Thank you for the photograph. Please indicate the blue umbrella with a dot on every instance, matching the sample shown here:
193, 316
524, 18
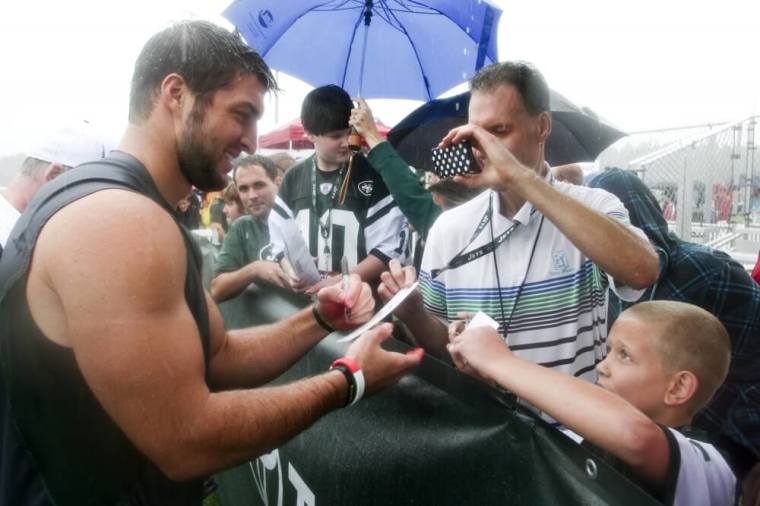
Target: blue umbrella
372, 48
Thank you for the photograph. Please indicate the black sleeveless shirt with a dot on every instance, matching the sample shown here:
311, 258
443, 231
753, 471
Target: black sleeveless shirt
59, 446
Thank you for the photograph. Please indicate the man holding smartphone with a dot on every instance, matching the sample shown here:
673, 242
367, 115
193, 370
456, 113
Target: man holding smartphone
535, 254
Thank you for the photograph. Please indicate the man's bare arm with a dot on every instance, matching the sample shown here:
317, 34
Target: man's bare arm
137, 344
276, 347
628, 258
622, 254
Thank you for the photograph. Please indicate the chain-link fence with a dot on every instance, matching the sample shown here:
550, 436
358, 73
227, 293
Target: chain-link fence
707, 183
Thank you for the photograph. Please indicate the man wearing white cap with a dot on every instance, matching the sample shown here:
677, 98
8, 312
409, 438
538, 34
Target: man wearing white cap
64, 149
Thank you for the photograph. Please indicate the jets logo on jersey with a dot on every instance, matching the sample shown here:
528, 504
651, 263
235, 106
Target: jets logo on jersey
267, 253
325, 188
365, 187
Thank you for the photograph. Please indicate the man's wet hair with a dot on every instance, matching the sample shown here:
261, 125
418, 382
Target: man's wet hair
326, 109
526, 78
207, 56
262, 161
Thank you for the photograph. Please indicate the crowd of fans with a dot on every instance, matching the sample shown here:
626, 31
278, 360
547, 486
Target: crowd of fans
594, 302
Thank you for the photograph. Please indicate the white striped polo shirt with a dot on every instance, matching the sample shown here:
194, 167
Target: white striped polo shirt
560, 319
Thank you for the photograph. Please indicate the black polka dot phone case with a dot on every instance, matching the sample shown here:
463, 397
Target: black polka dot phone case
455, 160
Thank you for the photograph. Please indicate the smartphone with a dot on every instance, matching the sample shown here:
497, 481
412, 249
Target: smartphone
455, 160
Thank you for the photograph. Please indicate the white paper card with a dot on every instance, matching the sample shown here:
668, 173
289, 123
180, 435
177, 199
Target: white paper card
298, 253
482, 320
384, 311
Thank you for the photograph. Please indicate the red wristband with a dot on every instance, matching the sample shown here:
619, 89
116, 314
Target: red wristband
354, 376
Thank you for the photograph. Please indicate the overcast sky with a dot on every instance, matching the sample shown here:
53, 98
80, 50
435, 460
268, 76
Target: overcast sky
642, 64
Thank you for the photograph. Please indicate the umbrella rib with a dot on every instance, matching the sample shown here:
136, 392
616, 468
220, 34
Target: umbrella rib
416, 55
387, 14
447, 17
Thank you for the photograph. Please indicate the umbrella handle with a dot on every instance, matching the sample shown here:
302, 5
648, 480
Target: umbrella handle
355, 141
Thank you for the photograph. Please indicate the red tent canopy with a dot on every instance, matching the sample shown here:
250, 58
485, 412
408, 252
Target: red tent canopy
292, 136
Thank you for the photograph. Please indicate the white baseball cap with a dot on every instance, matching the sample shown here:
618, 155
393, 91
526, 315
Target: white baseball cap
70, 145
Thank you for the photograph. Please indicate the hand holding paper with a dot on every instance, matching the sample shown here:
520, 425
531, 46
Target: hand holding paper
384, 311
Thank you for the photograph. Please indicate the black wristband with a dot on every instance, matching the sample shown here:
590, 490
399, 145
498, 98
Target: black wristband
320, 321
350, 380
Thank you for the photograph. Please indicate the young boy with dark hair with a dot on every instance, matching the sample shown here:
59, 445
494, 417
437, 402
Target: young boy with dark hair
665, 361
339, 202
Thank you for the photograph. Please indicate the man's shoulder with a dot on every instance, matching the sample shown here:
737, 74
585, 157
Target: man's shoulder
248, 224
114, 231
242, 223
114, 207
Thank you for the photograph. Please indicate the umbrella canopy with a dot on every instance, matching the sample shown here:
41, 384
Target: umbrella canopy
292, 136
412, 49
578, 135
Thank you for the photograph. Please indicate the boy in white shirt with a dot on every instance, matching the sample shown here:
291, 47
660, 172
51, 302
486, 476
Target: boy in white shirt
665, 361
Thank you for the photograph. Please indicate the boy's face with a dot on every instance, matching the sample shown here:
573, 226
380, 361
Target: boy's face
632, 368
332, 147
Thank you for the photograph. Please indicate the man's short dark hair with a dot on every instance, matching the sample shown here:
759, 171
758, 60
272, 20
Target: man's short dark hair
526, 78
262, 161
207, 56
326, 109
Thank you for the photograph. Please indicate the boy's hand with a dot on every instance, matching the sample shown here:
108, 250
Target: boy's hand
457, 326
392, 281
474, 349
362, 120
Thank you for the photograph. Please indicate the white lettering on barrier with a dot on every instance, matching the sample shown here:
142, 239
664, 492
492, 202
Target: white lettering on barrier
304, 496
270, 464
